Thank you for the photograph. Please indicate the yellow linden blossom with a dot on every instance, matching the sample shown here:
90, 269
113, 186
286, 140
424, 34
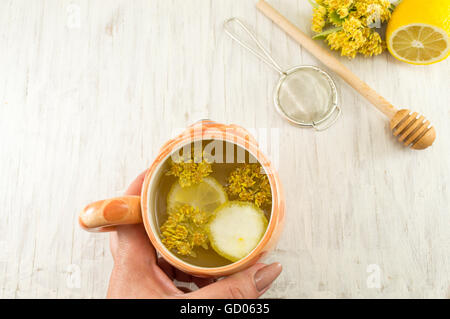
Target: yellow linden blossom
184, 230
190, 168
350, 25
247, 183
319, 18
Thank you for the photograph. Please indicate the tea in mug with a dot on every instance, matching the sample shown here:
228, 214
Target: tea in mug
213, 203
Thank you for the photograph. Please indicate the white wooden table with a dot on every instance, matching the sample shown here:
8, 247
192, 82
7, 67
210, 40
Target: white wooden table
89, 90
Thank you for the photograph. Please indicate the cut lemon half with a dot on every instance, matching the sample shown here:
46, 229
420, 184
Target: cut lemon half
236, 229
419, 31
206, 195
419, 44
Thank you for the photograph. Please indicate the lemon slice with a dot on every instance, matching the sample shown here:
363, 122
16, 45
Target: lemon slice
236, 229
206, 195
418, 31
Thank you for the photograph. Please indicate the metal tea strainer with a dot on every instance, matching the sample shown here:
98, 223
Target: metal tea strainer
305, 95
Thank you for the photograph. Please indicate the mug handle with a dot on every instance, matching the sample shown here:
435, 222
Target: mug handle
104, 215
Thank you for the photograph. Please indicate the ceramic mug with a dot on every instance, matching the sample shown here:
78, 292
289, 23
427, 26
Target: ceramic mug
104, 215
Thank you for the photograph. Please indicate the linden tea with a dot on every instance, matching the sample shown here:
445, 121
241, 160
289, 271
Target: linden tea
213, 203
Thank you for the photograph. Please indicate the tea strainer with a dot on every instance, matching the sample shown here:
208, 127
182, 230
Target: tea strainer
305, 95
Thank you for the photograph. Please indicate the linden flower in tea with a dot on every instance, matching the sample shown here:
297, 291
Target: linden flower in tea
185, 229
247, 183
190, 168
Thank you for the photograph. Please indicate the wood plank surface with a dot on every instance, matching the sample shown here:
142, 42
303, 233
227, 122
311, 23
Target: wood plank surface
89, 91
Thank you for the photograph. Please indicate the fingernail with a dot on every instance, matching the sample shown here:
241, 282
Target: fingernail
115, 210
265, 276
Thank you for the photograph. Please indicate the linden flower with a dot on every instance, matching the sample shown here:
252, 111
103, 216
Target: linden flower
319, 18
350, 25
200, 239
247, 183
190, 168
184, 230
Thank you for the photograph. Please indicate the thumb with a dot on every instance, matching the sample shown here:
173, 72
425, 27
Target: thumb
250, 283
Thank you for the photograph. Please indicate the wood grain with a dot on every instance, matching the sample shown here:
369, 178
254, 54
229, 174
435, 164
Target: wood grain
90, 90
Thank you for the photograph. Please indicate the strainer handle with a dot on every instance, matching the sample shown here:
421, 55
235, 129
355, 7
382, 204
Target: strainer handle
265, 57
329, 121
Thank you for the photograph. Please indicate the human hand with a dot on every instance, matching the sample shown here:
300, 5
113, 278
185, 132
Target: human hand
138, 273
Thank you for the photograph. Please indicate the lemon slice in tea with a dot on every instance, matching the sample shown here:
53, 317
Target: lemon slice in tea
236, 229
206, 195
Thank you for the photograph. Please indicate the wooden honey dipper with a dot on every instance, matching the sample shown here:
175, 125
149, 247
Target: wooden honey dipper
412, 130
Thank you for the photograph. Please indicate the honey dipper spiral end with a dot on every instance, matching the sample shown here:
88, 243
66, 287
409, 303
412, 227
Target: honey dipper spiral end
412, 129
